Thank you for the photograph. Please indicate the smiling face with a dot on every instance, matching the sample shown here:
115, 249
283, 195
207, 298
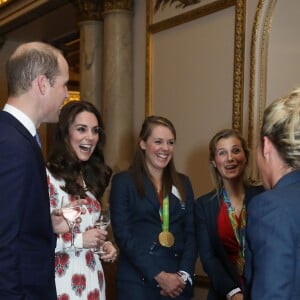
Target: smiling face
230, 159
84, 135
158, 148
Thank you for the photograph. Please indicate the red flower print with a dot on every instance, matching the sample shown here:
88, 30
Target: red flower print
66, 237
53, 202
63, 297
76, 229
101, 279
73, 198
92, 205
97, 206
61, 263
51, 189
90, 260
94, 295
52, 194
78, 283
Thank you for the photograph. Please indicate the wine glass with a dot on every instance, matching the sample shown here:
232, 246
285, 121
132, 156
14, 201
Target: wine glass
102, 223
70, 213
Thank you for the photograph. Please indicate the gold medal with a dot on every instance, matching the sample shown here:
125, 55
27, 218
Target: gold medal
166, 239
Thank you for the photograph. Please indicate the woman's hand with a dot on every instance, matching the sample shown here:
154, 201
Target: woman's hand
111, 252
238, 296
93, 238
171, 284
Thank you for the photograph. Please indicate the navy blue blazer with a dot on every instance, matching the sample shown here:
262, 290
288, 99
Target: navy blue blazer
213, 256
27, 240
273, 242
136, 225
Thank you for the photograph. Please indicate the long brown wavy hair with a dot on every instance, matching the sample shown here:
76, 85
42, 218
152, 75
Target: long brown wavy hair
63, 162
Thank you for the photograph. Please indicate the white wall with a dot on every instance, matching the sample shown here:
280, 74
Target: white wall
283, 69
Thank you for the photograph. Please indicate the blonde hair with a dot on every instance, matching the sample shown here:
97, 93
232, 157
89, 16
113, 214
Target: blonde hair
224, 134
281, 124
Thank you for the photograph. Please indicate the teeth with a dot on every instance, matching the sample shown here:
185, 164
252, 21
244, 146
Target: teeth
85, 147
230, 167
162, 155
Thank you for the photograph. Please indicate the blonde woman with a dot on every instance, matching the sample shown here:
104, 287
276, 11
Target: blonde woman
221, 216
273, 234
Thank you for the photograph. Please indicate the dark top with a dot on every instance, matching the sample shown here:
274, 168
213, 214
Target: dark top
215, 261
136, 225
272, 268
27, 240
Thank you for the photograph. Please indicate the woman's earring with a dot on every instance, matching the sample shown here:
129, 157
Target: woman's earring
213, 163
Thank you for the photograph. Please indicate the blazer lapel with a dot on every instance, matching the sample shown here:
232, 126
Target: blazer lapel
176, 205
150, 194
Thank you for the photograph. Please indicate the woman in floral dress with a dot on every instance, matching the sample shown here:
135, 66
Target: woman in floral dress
76, 169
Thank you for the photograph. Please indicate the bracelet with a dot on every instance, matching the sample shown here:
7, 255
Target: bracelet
107, 242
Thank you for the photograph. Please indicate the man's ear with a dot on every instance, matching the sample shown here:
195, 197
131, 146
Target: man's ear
42, 83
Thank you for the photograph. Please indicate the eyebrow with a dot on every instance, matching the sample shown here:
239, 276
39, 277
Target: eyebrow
233, 146
80, 125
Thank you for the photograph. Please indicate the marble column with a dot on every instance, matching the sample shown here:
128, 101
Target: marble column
118, 82
91, 44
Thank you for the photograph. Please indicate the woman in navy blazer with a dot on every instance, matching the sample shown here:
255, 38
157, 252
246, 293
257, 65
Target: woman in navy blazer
273, 233
156, 261
220, 216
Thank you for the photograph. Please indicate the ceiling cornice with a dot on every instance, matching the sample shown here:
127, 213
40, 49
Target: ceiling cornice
18, 13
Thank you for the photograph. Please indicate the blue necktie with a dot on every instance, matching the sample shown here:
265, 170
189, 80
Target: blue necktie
37, 138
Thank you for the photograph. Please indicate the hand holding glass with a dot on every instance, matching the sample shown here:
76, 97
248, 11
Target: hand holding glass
102, 223
70, 213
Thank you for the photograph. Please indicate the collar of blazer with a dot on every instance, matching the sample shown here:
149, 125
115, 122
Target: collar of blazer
175, 202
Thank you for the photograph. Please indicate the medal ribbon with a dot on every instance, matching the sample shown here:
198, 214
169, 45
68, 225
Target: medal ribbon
239, 229
164, 213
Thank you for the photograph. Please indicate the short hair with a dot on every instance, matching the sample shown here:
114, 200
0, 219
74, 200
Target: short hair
224, 134
281, 124
29, 61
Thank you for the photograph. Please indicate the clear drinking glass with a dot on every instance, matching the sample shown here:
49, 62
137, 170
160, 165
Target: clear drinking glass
70, 213
102, 223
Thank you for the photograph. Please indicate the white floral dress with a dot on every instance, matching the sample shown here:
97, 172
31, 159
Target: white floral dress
79, 274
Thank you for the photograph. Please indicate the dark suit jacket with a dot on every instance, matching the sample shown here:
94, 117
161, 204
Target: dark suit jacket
273, 242
213, 256
136, 225
27, 241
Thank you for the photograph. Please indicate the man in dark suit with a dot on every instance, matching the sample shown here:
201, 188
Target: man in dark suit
37, 75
